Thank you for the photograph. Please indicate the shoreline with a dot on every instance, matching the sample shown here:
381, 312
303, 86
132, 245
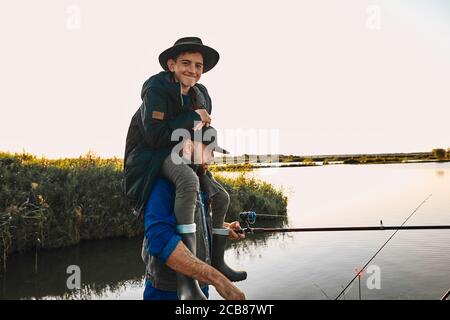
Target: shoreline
352, 161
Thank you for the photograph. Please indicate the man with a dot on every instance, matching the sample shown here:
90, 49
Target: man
171, 100
163, 249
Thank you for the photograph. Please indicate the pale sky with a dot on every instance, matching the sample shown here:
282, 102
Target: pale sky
331, 77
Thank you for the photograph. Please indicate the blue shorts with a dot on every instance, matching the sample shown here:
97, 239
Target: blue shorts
151, 293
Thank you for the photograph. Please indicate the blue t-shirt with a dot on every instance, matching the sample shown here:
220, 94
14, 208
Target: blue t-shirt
151, 293
159, 220
160, 231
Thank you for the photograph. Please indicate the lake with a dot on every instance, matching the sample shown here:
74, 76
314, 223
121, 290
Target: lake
413, 265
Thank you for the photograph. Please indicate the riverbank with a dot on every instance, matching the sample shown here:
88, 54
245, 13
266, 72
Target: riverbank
330, 196
250, 162
55, 203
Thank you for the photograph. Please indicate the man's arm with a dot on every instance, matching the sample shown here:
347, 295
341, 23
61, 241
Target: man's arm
182, 260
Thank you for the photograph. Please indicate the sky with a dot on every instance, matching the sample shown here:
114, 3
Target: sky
295, 77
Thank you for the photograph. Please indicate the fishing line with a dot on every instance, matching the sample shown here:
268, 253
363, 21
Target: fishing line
373, 257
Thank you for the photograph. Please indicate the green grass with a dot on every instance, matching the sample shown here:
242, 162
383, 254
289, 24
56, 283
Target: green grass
55, 203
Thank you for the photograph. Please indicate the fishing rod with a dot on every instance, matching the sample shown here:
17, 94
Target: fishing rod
384, 244
369, 228
446, 295
249, 217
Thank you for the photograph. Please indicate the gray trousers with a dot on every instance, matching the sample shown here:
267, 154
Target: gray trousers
187, 186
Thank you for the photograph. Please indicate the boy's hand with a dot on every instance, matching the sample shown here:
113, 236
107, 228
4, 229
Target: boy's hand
199, 126
204, 115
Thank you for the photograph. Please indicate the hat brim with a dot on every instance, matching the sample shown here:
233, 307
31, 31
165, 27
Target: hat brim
210, 56
220, 150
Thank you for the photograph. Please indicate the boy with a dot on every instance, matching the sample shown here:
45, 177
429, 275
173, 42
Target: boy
173, 99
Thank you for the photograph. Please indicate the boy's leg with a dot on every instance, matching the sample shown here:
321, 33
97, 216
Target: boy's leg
187, 188
220, 200
186, 193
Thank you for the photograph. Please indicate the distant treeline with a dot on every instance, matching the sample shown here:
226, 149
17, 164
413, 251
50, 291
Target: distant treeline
243, 162
54, 203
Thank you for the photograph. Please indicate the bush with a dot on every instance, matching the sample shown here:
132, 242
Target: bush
56, 203
351, 161
250, 194
440, 154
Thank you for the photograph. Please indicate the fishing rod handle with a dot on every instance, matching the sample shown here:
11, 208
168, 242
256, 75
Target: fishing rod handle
244, 230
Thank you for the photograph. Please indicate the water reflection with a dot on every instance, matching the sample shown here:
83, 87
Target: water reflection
106, 266
414, 265
256, 241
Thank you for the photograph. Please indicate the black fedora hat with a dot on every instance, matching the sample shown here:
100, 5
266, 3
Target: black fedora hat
210, 56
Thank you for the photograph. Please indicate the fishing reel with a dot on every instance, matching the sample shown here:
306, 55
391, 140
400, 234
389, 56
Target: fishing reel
249, 217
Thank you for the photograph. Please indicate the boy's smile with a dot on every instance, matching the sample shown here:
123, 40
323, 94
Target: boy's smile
187, 69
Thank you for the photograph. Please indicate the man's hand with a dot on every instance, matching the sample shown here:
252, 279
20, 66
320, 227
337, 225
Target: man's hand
233, 228
229, 291
182, 260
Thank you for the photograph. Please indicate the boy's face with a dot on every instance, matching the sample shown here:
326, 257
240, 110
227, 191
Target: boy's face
187, 68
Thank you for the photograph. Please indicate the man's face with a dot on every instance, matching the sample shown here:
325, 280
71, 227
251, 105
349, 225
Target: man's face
187, 68
202, 154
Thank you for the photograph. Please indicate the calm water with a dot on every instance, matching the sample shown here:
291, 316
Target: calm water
414, 265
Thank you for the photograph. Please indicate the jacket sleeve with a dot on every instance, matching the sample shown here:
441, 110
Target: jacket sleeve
155, 126
204, 92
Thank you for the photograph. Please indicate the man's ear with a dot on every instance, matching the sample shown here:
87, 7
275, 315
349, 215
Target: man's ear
171, 65
188, 147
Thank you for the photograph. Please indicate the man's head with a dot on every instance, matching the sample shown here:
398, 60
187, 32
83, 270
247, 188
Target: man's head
187, 68
200, 146
197, 152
